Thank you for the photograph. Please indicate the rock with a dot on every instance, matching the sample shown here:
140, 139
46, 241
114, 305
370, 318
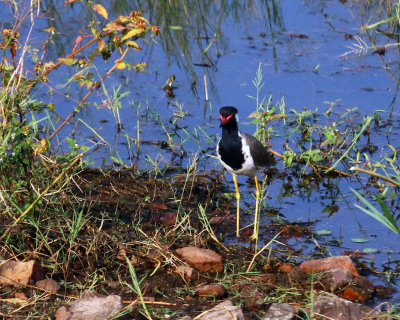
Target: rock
359, 290
149, 299
91, 306
211, 290
20, 295
188, 273
267, 278
384, 292
204, 260
223, 311
255, 300
62, 313
332, 307
49, 285
281, 311
297, 275
365, 284
354, 293
336, 278
216, 220
285, 267
168, 219
19, 273
319, 265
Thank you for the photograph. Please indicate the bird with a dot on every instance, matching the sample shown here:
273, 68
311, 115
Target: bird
241, 154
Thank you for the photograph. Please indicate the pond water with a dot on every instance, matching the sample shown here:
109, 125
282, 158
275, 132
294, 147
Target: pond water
299, 45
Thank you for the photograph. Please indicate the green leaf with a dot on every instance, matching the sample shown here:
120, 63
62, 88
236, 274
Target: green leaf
353, 142
370, 250
175, 27
323, 232
359, 240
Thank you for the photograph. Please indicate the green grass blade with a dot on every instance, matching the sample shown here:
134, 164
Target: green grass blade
366, 124
375, 213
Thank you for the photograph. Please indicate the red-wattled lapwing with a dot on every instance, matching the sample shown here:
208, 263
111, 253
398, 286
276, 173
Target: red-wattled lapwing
241, 153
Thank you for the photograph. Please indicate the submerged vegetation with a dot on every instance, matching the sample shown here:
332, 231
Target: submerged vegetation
115, 230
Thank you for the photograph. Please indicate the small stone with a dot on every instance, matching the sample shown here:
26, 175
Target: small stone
167, 219
285, 267
20, 295
384, 292
211, 290
188, 273
267, 278
19, 273
149, 299
332, 307
223, 311
62, 313
49, 285
297, 275
336, 278
204, 260
281, 311
354, 293
319, 265
216, 220
91, 306
365, 284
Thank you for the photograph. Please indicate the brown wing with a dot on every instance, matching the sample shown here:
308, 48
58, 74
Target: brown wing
262, 157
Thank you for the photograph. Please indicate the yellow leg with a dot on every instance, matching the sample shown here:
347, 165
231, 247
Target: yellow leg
237, 205
255, 232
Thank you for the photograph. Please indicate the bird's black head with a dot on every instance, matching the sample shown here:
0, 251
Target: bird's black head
227, 115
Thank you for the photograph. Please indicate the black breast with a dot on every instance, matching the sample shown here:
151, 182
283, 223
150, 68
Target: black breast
230, 151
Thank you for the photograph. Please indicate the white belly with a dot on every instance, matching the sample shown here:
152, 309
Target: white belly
248, 168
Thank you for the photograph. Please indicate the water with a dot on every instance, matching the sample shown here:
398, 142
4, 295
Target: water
301, 48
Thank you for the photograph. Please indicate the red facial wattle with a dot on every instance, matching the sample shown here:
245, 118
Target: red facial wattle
225, 120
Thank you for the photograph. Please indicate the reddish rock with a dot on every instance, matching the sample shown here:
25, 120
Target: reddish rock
384, 292
365, 284
216, 220
336, 278
246, 232
149, 299
297, 275
204, 260
267, 278
168, 219
315, 266
19, 273
159, 206
49, 285
354, 293
20, 295
360, 289
332, 307
211, 290
285, 267
62, 313
254, 301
